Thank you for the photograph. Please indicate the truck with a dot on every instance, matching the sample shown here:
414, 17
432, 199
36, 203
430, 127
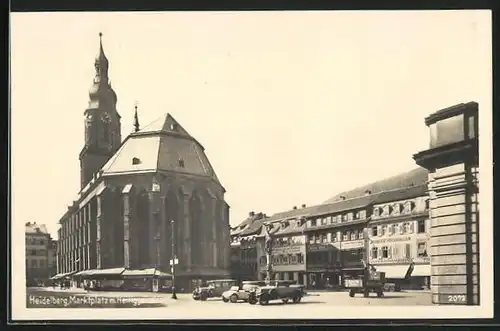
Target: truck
369, 280
366, 282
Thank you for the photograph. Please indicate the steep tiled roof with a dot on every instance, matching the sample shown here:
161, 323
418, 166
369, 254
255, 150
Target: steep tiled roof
250, 225
161, 145
401, 194
33, 228
415, 177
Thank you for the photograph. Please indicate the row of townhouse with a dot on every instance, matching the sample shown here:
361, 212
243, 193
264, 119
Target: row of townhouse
385, 223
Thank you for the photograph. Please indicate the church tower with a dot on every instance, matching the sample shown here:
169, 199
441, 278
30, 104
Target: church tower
102, 122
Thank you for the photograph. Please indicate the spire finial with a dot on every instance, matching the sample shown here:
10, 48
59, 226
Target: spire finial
136, 119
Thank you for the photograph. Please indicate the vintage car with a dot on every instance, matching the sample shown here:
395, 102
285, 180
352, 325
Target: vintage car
213, 289
241, 293
283, 290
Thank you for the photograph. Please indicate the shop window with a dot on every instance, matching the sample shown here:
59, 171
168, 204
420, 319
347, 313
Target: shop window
386, 211
345, 236
422, 249
285, 259
374, 253
421, 226
374, 231
408, 207
408, 251
385, 252
334, 237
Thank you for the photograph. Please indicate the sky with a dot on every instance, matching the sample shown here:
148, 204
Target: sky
291, 107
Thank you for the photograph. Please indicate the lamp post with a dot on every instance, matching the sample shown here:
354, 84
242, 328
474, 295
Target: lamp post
173, 261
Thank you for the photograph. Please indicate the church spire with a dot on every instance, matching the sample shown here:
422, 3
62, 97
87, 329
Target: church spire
136, 119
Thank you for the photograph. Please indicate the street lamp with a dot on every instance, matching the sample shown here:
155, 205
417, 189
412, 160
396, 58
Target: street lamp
174, 260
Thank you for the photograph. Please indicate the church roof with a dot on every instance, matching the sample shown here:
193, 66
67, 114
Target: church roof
162, 145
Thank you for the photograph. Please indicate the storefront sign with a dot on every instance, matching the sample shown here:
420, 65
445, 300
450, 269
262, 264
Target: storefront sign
352, 244
320, 247
288, 250
390, 240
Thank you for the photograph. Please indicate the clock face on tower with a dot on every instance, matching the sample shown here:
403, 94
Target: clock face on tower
106, 118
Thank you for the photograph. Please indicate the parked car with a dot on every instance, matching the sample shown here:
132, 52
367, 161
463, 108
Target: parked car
277, 290
213, 289
241, 293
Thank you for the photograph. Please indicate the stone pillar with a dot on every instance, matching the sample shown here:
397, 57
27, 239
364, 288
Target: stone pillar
452, 161
98, 232
186, 242
154, 228
212, 252
304, 278
126, 225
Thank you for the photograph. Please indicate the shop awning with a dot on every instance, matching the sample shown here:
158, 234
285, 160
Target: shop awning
108, 272
421, 270
393, 271
149, 272
60, 276
84, 273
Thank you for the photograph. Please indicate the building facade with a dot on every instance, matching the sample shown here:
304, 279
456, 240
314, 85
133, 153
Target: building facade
288, 254
140, 194
399, 233
39, 254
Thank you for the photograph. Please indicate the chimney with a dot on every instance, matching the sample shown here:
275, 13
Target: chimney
342, 197
251, 214
294, 207
28, 223
368, 192
304, 205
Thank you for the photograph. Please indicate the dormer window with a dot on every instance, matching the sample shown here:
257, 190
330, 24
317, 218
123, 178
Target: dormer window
174, 126
181, 163
136, 160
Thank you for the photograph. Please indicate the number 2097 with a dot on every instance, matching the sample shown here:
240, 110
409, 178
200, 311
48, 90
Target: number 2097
456, 298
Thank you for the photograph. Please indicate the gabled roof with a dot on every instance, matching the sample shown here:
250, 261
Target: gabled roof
33, 228
415, 177
162, 145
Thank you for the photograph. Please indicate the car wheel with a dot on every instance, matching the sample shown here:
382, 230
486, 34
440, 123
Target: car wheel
203, 296
285, 301
233, 298
380, 293
297, 299
264, 299
366, 293
351, 293
225, 299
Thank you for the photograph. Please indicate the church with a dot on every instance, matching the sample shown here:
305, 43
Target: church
139, 194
